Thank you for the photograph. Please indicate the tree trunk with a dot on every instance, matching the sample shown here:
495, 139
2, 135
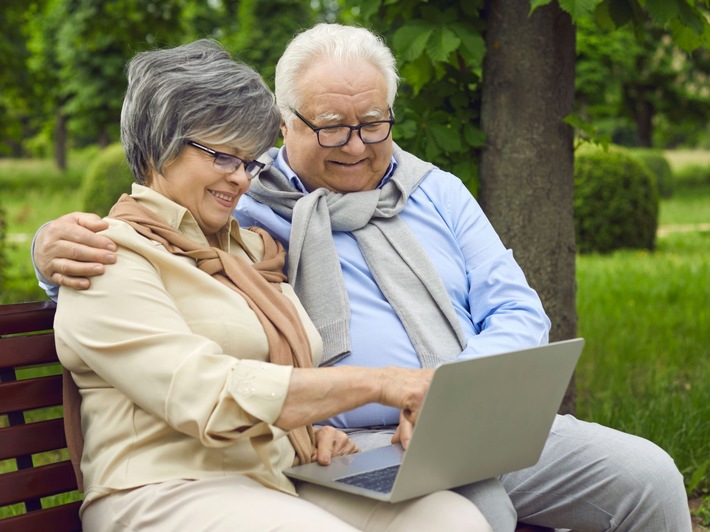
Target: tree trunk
104, 139
643, 114
527, 166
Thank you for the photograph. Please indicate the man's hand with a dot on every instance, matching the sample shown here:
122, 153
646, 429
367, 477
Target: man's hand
68, 251
332, 442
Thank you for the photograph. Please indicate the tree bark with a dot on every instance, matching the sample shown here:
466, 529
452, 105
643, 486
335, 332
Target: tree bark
527, 166
643, 115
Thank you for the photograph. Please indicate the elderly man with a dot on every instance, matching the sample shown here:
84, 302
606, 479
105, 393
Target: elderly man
397, 265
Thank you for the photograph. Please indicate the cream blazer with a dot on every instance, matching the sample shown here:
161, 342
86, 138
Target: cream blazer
172, 366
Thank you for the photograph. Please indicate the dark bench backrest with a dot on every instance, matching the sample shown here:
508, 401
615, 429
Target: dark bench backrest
31, 423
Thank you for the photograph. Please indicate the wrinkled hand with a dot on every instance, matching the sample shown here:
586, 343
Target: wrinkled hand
68, 251
405, 389
331, 442
404, 431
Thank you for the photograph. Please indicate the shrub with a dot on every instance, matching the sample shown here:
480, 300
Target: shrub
107, 177
615, 202
657, 163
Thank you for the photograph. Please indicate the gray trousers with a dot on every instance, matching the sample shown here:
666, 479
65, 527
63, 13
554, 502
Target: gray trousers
589, 478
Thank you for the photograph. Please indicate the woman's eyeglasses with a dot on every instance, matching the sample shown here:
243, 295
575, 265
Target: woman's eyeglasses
224, 162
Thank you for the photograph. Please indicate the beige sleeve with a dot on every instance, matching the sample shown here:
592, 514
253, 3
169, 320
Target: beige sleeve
126, 332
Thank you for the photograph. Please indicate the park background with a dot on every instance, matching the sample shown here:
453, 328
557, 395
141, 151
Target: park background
516, 98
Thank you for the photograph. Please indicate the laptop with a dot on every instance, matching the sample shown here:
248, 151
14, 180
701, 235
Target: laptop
480, 418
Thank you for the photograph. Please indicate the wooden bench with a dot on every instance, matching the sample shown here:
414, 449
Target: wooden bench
34, 464
37, 483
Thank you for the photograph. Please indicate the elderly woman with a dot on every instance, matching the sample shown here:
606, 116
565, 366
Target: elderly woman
192, 357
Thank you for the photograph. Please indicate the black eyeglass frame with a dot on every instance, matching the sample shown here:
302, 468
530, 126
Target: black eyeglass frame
248, 165
357, 128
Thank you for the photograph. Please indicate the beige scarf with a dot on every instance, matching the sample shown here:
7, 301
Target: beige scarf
258, 283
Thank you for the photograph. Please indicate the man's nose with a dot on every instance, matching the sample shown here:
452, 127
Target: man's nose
354, 143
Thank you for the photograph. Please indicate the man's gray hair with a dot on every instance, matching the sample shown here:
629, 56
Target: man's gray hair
195, 91
334, 41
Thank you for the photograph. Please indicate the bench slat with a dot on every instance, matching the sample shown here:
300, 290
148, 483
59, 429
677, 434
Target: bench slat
32, 438
40, 481
63, 518
29, 394
18, 351
26, 317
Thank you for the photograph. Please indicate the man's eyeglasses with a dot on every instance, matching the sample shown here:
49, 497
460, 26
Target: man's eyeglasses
335, 136
224, 162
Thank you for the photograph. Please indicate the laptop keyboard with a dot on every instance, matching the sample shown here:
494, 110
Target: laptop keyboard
380, 480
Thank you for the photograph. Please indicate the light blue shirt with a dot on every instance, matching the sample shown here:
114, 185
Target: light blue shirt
498, 310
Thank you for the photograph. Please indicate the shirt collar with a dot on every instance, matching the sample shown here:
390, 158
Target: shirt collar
285, 169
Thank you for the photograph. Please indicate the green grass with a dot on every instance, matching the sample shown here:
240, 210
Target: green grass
32, 192
686, 206
646, 318
646, 364
25, 213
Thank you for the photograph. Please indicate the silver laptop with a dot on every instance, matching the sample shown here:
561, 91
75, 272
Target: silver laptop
481, 418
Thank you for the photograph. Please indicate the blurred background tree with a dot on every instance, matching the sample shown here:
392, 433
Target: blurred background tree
641, 66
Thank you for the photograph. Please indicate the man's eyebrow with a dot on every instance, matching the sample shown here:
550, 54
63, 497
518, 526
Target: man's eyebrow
329, 117
372, 114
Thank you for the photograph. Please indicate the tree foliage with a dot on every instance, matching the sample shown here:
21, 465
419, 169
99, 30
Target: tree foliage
439, 48
63, 60
255, 31
641, 89
18, 89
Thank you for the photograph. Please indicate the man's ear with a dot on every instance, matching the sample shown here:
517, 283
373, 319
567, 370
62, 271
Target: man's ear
284, 129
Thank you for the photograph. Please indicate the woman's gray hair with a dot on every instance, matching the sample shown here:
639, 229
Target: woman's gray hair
334, 41
193, 92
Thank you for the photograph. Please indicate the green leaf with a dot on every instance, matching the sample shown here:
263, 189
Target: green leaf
368, 8
693, 18
579, 8
603, 17
474, 136
446, 137
474, 46
406, 129
417, 73
443, 41
534, 4
611, 14
662, 11
686, 38
411, 39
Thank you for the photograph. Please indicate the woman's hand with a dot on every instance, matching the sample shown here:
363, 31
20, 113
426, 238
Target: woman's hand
331, 442
321, 393
405, 389
404, 431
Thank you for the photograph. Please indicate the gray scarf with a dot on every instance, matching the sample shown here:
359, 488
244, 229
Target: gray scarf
397, 261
